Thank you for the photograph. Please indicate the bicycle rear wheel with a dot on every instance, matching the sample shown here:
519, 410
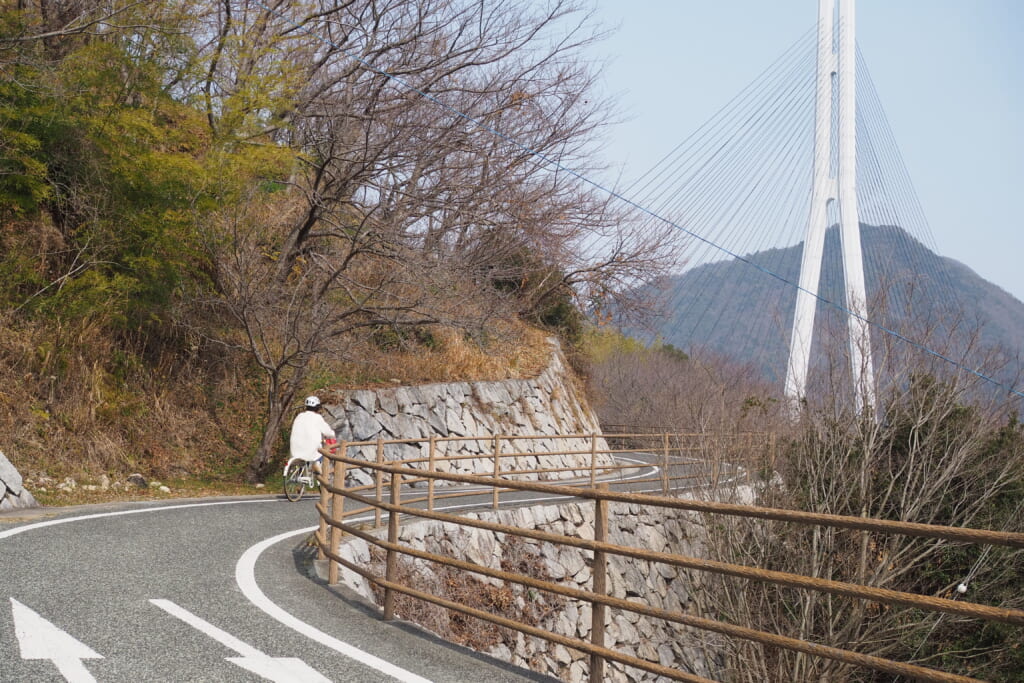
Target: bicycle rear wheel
293, 483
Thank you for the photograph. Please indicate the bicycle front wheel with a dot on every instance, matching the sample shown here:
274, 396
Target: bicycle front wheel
293, 484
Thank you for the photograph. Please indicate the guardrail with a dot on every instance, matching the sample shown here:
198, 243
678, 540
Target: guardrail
414, 486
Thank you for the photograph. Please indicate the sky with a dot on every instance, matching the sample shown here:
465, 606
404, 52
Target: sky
949, 73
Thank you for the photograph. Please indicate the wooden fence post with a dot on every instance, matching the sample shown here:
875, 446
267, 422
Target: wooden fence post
338, 473
664, 465
497, 469
326, 473
391, 568
599, 586
431, 468
715, 451
593, 460
378, 483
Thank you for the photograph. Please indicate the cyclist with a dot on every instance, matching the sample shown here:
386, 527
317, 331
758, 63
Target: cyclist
309, 429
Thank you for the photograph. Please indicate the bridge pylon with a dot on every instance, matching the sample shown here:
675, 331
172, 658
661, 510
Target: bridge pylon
835, 180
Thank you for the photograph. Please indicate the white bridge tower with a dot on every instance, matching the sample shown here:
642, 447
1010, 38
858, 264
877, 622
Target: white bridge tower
835, 180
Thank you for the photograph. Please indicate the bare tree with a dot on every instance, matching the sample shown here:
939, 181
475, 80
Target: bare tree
53, 21
934, 453
451, 122
432, 143
940, 447
662, 389
333, 291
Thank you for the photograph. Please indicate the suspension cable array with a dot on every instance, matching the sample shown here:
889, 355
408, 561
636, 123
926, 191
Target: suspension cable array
737, 191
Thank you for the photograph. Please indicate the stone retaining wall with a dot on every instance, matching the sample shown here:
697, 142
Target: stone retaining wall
546, 405
657, 585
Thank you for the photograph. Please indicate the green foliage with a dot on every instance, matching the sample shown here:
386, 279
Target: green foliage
560, 314
757, 404
19, 275
405, 338
23, 184
22, 175
126, 172
323, 378
672, 352
140, 187
600, 343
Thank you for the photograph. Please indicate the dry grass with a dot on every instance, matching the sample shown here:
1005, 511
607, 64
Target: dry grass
510, 350
51, 496
73, 404
518, 351
508, 600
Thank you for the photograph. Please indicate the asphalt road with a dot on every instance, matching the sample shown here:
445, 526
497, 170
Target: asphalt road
197, 591
203, 590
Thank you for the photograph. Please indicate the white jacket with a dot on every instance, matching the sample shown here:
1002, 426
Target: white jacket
308, 432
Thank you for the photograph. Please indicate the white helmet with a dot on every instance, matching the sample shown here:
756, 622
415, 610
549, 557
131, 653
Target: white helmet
312, 402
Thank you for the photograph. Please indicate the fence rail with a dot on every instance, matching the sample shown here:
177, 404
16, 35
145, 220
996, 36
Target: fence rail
401, 478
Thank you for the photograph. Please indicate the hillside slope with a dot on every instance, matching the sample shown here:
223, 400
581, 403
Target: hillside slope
734, 309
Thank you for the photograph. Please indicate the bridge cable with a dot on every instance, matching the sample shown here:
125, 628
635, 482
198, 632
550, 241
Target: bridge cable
545, 161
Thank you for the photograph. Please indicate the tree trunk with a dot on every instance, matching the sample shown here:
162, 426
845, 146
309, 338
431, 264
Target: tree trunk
279, 397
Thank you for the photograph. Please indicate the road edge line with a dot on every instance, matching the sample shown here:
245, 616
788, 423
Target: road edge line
245, 577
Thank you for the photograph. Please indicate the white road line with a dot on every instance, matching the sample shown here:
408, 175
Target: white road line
245, 577
278, 669
64, 520
654, 469
220, 635
253, 592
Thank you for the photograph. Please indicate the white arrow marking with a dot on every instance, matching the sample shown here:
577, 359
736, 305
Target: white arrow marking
39, 639
277, 669
280, 669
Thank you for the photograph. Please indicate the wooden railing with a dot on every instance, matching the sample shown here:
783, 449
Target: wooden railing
402, 483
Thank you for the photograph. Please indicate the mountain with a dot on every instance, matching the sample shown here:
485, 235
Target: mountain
744, 310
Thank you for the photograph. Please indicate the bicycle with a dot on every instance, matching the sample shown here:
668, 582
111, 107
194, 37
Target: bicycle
298, 474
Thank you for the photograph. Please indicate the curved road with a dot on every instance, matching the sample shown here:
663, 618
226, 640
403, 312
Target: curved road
203, 590
197, 591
